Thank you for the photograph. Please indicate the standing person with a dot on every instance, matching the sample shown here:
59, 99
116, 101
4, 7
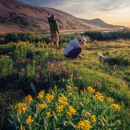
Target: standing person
73, 48
54, 31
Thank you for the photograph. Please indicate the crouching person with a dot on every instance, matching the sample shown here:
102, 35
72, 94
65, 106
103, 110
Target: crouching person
73, 48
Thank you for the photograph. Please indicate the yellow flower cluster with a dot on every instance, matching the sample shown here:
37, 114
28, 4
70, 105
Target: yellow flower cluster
41, 94
109, 99
29, 120
41, 106
4, 57
99, 96
63, 107
49, 98
70, 93
75, 88
48, 114
55, 87
68, 87
94, 119
115, 107
21, 107
71, 111
119, 122
63, 100
59, 109
90, 90
22, 127
29, 99
84, 125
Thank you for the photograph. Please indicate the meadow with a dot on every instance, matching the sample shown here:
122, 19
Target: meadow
42, 90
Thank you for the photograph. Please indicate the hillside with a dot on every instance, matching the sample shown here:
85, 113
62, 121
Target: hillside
99, 23
16, 16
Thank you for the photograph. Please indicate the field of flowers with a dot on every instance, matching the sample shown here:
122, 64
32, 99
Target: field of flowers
42, 90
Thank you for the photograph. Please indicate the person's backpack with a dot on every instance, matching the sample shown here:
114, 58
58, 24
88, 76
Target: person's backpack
50, 20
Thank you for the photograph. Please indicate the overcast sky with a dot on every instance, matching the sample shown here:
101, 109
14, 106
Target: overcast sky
110, 11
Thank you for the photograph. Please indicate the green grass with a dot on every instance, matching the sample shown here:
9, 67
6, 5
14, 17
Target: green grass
110, 77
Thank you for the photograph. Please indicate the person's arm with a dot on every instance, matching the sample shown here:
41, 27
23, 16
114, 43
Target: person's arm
57, 27
81, 56
49, 19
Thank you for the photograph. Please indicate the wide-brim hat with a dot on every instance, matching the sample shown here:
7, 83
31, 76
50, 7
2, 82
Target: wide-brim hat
83, 40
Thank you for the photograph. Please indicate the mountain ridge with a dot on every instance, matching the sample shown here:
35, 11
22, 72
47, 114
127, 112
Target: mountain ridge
16, 16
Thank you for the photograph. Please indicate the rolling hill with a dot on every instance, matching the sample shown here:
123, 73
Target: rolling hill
16, 16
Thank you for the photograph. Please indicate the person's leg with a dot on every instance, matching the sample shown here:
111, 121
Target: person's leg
57, 41
52, 40
75, 52
66, 56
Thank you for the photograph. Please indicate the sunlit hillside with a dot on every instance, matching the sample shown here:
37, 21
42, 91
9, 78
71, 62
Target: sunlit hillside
16, 16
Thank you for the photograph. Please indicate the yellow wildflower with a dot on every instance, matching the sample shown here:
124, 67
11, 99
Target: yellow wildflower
109, 99
29, 99
59, 109
55, 87
68, 87
68, 113
41, 106
90, 90
63, 100
29, 120
71, 111
115, 107
99, 96
22, 127
119, 122
84, 125
94, 119
41, 94
75, 88
49, 98
48, 114
21, 107
70, 94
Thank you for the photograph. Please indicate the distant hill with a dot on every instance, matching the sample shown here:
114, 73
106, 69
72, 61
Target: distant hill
101, 24
16, 16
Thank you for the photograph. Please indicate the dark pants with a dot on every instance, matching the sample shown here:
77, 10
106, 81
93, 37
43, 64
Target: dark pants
74, 53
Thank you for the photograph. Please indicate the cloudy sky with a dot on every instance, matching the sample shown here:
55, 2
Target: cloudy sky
110, 11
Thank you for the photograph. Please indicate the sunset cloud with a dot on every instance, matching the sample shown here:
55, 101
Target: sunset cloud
102, 5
